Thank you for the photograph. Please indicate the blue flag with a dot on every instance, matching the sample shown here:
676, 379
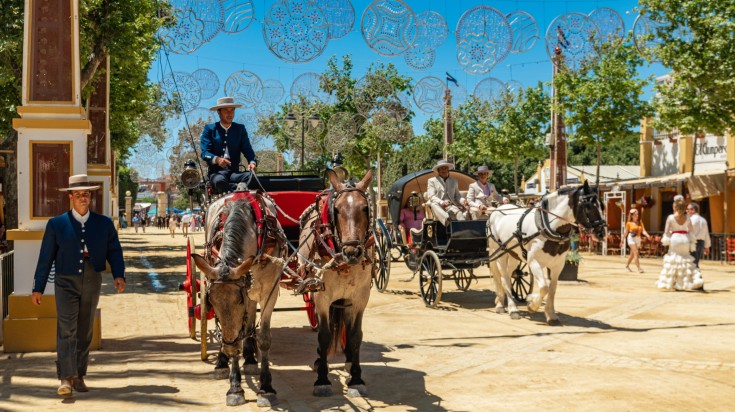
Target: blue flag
451, 79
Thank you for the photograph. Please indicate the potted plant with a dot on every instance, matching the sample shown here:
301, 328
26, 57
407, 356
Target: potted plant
571, 265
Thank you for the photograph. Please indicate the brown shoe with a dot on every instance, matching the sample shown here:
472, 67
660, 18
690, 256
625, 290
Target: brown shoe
64, 388
79, 385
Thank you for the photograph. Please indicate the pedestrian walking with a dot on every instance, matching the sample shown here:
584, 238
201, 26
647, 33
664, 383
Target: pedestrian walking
632, 234
700, 231
78, 244
172, 225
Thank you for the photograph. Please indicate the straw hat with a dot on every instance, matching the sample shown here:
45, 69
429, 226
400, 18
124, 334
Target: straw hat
442, 163
79, 182
223, 102
484, 169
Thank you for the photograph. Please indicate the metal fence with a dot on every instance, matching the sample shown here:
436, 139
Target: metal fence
6, 272
6, 284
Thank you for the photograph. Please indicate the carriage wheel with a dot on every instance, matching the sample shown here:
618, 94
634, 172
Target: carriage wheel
430, 278
384, 258
191, 297
463, 278
311, 310
521, 283
203, 313
395, 251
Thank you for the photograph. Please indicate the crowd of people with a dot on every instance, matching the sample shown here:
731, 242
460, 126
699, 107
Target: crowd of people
187, 222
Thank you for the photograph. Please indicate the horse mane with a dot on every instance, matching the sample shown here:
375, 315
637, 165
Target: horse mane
235, 231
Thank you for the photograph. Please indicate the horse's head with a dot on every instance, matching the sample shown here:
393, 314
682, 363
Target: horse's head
588, 211
349, 211
226, 281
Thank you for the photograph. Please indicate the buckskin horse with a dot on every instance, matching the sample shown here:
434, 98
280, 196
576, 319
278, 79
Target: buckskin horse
539, 236
247, 268
336, 247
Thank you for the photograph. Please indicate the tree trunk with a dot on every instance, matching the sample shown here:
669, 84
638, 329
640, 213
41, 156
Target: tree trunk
599, 160
515, 174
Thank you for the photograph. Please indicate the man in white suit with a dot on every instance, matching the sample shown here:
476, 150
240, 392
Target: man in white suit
481, 194
444, 196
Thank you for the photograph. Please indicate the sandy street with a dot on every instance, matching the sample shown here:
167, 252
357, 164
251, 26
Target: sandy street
622, 346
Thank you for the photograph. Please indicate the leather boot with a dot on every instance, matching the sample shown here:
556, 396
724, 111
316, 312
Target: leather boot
79, 385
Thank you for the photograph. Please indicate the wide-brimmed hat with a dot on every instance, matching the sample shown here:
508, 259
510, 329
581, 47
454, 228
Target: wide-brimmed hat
226, 101
484, 169
79, 182
442, 163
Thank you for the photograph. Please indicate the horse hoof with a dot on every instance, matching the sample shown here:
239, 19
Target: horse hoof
323, 390
250, 369
499, 310
553, 322
267, 400
357, 391
348, 366
515, 315
235, 399
221, 373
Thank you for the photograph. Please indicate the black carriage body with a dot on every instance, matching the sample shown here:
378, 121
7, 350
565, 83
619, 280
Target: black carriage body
462, 243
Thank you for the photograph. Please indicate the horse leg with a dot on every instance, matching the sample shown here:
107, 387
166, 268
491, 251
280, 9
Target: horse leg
250, 348
235, 396
499, 289
221, 368
551, 318
509, 301
266, 394
322, 386
356, 386
535, 299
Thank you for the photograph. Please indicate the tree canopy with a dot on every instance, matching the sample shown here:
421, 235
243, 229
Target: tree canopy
696, 40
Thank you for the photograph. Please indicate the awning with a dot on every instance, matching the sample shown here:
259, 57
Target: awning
668, 181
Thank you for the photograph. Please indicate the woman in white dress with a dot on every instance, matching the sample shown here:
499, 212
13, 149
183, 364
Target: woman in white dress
679, 272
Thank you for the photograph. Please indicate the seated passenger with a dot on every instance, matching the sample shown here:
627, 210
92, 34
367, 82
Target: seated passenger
481, 194
411, 217
444, 196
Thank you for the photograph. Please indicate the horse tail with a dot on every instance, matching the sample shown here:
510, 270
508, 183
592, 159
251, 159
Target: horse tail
336, 326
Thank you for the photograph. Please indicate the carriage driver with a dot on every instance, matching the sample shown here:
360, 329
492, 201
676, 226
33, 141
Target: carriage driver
481, 194
222, 143
444, 196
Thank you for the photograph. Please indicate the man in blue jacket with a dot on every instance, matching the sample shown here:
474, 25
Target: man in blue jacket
222, 143
77, 244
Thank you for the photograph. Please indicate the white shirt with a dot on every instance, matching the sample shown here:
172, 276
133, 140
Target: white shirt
81, 219
699, 229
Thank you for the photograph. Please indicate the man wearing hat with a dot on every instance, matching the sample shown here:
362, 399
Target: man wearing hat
481, 194
444, 196
78, 243
222, 144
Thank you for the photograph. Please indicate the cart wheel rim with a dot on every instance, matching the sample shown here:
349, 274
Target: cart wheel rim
430, 279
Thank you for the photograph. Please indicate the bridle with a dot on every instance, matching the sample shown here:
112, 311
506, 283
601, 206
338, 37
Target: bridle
329, 230
585, 205
243, 283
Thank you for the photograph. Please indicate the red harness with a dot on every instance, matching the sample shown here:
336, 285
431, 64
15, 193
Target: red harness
258, 208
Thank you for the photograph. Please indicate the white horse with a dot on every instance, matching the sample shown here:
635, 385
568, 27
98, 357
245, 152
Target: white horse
539, 236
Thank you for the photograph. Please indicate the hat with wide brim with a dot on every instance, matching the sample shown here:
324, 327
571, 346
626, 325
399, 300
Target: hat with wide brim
484, 169
224, 102
79, 182
443, 163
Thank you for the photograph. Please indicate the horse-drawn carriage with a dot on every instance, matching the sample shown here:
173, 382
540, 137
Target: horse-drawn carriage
292, 194
249, 252
460, 247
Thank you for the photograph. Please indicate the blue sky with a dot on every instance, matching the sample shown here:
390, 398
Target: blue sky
228, 53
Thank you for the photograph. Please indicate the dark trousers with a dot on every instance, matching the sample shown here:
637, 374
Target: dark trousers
76, 302
699, 252
225, 181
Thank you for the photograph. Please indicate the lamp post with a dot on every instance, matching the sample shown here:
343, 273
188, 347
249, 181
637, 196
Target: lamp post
291, 121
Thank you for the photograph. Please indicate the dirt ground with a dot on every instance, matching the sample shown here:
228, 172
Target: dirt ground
623, 345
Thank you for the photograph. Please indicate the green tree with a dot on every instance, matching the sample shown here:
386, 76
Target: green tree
698, 45
125, 31
128, 180
378, 119
603, 101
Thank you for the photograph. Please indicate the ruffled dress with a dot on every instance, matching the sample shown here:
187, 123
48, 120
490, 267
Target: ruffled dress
679, 272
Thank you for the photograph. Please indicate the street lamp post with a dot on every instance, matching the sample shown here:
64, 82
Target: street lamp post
291, 121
